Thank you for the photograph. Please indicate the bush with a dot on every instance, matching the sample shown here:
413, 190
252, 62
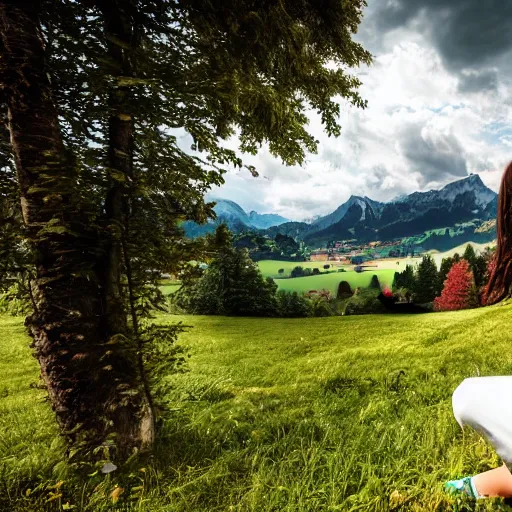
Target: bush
344, 291
364, 303
322, 305
292, 305
15, 300
297, 272
316, 271
374, 283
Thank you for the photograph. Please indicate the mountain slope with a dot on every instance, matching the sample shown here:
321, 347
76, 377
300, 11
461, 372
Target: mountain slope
235, 217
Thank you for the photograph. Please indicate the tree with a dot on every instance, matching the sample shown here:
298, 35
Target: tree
344, 290
458, 291
405, 279
469, 255
92, 91
232, 285
427, 286
446, 265
374, 283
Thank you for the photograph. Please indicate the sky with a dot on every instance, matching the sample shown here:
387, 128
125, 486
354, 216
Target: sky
439, 108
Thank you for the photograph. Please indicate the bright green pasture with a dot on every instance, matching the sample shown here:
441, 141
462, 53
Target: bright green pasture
270, 268
318, 414
331, 281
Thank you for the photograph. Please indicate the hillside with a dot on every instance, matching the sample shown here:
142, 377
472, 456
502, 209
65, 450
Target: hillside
338, 414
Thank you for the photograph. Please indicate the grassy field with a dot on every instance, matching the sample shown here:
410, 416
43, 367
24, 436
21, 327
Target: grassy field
330, 414
331, 281
269, 268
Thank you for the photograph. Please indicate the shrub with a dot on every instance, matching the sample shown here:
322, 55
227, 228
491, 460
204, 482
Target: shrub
292, 305
297, 272
375, 283
326, 267
344, 291
280, 271
316, 271
15, 300
364, 303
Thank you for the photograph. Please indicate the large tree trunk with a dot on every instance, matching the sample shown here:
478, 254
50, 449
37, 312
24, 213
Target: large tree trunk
92, 379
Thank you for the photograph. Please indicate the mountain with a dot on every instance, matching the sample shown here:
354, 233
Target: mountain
336, 216
266, 220
460, 211
235, 217
463, 206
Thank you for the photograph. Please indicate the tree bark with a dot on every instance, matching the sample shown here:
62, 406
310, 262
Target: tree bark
92, 379
122, 43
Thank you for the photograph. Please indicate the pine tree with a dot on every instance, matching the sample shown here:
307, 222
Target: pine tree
427, 286
405, 279
232, 285
469, 255
446, 265
375, 283
458, 291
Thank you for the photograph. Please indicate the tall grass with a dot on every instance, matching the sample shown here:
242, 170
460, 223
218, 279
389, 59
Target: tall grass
327, 414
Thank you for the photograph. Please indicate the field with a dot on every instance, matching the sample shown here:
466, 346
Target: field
269, 268
385, 270
330, 414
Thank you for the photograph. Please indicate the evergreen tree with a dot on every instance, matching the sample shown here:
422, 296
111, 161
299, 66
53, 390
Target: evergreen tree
427, 286
405, 279
478, 265
344, 290
446, 265
469, 255
459, 291
375, 283
232, 285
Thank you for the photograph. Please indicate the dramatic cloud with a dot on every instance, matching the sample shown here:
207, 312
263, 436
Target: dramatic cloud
439, 108
467, 33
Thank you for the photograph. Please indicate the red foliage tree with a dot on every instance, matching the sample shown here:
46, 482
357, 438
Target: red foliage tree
459, 289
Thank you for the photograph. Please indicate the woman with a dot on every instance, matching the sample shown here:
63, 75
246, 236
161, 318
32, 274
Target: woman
479, 402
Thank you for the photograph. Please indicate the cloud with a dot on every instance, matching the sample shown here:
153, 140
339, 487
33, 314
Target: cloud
467, 33
439, 108
434, 155
478, 81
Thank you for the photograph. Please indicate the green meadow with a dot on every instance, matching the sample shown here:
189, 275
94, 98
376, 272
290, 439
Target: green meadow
317, 414
330, 281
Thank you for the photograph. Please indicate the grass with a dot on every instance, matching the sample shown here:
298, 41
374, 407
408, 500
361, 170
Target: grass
269, 268
331, 281
328, 414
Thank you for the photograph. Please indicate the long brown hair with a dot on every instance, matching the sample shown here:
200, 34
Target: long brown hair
500, 279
